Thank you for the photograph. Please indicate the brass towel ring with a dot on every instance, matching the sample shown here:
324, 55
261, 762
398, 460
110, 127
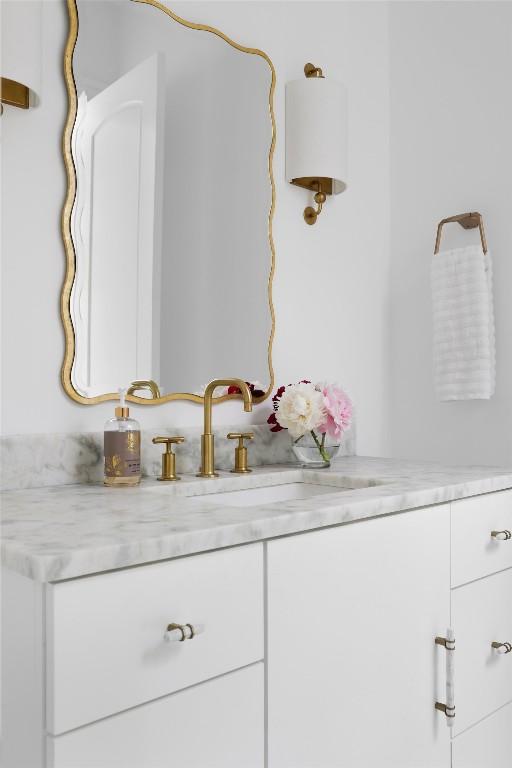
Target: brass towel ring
467, 221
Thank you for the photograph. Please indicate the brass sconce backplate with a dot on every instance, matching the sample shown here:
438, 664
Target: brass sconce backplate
311, 71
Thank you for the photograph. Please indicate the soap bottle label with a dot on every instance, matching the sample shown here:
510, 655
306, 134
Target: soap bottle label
122, 454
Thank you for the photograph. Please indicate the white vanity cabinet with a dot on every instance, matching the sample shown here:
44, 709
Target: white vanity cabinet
317, 651
353, 671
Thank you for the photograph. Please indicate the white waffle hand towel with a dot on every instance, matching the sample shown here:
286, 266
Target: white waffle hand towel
464, 344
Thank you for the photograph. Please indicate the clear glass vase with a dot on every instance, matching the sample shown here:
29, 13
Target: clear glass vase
315, 451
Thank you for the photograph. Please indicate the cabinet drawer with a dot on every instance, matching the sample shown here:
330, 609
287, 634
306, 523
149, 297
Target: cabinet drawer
219, 724
106, 650
483, 678
487, 745
474, 552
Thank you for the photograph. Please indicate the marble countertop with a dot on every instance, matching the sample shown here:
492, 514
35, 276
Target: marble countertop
62, 532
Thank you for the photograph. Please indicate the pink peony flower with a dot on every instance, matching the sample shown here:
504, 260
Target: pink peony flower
338, 409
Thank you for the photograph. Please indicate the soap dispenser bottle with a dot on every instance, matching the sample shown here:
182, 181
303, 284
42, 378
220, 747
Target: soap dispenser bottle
122, 447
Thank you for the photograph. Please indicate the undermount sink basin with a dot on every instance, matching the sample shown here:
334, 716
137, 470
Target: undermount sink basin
250, 497
262, 487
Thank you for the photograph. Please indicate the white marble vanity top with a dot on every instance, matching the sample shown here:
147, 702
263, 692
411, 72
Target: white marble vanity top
55, 533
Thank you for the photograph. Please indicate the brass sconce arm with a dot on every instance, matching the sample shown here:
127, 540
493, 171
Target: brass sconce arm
310, 215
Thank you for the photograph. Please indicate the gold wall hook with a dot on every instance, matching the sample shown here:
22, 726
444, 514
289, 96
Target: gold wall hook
168, 458
241, 463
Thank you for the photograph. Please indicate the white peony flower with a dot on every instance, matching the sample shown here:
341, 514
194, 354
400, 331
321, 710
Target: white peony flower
301, 409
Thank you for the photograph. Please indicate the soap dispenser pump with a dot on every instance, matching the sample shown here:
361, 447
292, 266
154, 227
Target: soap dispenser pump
122, 447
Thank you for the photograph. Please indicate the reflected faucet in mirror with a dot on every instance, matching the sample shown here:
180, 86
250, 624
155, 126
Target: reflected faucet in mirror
207, 439
142, 385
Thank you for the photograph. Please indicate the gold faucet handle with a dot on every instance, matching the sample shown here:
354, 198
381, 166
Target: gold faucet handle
169, 440
240, 436
168, 458
241, 465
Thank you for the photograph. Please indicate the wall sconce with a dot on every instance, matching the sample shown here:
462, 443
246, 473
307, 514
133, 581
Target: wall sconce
13, 93
316, 137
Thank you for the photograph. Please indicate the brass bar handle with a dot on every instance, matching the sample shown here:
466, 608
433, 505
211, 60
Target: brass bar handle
178, 633
502, 648
168, 458
241, 461
448, 709
505, 535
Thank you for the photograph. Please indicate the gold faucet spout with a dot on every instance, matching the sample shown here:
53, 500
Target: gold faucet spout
207, 440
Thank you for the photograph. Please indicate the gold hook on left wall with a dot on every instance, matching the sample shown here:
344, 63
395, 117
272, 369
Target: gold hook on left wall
14, 94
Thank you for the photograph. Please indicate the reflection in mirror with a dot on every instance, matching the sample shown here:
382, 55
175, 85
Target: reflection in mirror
170, 224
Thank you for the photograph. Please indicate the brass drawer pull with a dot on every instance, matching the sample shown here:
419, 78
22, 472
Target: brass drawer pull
178, 633
502, 647
448, 708
501, 535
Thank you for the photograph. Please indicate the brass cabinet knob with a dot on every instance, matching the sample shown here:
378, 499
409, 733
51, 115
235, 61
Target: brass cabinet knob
501, 535
502, 647
241, 466
168, 458
178, 633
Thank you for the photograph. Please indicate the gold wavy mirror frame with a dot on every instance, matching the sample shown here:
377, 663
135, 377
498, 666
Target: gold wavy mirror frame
66, 371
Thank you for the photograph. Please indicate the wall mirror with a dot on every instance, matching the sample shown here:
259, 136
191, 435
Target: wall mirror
167, 222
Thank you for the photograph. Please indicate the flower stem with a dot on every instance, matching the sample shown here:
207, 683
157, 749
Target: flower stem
321, 447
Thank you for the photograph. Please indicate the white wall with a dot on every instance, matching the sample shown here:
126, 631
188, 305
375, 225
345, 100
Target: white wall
451, 151
331, 283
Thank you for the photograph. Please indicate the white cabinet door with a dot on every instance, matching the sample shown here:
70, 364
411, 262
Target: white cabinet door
353, 670
218, 724
481, 615
487, 745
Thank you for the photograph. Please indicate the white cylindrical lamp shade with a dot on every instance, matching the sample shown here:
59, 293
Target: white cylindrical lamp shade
316, 132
